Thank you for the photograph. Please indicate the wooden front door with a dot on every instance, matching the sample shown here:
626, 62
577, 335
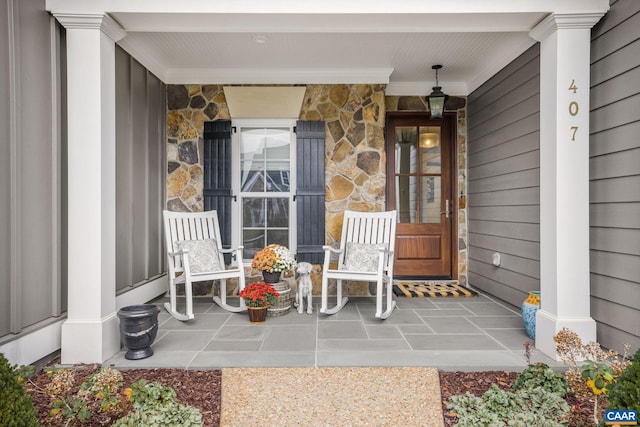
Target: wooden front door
421, 187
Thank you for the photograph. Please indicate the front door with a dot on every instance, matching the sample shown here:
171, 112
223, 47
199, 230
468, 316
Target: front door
420, 186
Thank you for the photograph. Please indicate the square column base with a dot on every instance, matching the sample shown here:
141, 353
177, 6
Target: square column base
90, 342
548, 325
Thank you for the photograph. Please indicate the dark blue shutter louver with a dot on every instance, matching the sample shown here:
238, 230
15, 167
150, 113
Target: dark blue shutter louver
310, 198
217, 191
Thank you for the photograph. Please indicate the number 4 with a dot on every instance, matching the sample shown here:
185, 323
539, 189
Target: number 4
573, 86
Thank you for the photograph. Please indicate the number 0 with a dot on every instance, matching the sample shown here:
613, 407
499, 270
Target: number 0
573, 108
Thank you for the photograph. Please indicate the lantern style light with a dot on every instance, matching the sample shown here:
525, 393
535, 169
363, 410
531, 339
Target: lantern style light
437, 98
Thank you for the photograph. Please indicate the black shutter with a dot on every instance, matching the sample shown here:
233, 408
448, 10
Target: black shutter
217, 191
310, 198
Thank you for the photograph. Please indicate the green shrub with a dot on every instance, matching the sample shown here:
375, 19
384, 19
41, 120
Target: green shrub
16, 407
500, 408
624, 393
541, 375
156, 405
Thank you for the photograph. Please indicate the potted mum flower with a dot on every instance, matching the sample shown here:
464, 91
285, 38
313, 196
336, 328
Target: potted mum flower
258, 297
273, 259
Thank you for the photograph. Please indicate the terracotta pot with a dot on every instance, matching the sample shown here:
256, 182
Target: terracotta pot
271, 276
257, 314
529, 308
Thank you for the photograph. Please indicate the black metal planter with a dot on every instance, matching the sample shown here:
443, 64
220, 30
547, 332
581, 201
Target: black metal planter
138, 329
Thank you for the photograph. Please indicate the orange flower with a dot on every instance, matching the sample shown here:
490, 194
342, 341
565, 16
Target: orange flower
273, 258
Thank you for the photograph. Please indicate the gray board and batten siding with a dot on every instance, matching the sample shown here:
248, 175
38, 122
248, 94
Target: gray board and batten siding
140, 172
504, 180
614, 171
32, 199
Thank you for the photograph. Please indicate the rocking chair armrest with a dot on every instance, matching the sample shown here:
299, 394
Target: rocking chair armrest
179, 252
332, 249
231, 250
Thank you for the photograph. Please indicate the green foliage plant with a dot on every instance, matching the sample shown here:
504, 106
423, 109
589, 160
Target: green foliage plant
624, 393
156, 405
541, 375
500, 408
16, 407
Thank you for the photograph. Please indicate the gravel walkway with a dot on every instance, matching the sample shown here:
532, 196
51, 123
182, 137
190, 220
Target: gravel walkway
331, 397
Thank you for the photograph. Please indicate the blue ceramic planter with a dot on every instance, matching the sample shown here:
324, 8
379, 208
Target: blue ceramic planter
529, 308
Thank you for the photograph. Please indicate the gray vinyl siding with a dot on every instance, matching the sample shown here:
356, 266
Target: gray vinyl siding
140, 177
614, 168
504, 180
31, 128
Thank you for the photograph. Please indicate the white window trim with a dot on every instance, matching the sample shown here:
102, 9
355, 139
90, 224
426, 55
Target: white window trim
236, 221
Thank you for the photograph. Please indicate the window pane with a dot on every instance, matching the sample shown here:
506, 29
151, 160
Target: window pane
278, 162
430, 204
253, 240
253, 212
406, 198
280, 237
406, 147
430, 150
277, 212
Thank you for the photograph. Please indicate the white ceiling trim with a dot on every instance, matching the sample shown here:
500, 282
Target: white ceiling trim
278, 76
327, 6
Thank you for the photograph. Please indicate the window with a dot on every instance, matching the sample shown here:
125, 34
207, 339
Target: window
263, 161
261, 187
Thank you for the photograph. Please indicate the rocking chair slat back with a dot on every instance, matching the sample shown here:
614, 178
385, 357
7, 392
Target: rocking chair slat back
189, 226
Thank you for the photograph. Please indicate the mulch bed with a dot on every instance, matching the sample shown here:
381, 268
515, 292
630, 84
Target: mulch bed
477, 383
201, 389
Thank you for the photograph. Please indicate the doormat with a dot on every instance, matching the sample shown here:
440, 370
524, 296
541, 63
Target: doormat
432, 290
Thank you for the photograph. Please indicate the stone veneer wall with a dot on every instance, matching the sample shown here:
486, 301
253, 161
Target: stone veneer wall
354, 148
418, 103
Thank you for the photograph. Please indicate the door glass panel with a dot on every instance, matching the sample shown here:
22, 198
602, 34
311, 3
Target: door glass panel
430, 150
430, 203
406, 198
418, 169
406, 150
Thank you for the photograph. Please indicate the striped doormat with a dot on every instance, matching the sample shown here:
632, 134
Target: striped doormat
431, 290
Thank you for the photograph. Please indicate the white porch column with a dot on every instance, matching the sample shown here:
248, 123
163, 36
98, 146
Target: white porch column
90, 334
564, 178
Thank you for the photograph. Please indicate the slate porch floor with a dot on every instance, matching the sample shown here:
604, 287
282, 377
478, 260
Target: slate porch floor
466, 334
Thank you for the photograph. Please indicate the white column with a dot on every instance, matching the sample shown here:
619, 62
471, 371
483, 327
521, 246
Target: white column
90, 334
564, 178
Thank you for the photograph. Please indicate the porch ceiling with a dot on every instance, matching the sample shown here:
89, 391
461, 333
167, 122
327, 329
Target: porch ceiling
334, 41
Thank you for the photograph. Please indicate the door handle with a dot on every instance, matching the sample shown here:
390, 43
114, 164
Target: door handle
446, 209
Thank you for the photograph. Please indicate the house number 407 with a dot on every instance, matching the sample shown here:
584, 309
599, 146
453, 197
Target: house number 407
573, 109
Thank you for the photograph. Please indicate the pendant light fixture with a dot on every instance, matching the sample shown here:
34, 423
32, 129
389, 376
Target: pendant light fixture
437, 98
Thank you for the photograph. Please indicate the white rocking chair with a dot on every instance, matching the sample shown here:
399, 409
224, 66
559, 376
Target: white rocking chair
194, 249
365, 254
